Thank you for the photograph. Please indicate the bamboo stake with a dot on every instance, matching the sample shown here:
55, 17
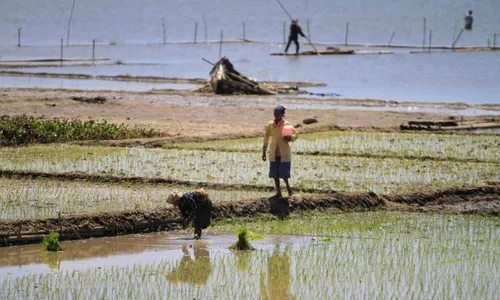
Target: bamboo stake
61, 52
390, 39
284, 32
425, 33
93, 51
308, 31
454, 31
220, 44
164, 31
244, 33
69, 22
430, 40
346, 32
457, 38
19, 36
195, 32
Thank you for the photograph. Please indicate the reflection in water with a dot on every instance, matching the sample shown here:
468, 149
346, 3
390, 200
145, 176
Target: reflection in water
53, 259
243, 260
193, 271
278, 276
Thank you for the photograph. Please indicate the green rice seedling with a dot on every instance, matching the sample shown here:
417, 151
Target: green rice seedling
376, 144
42, 198
51, 242
310, 172
243, 243
382, 255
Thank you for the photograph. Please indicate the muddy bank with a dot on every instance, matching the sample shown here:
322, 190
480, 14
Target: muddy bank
476, 200
183, 115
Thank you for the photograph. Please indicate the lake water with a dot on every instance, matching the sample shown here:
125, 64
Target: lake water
131, 32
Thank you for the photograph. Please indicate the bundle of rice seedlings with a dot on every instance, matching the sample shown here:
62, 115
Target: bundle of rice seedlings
242, 243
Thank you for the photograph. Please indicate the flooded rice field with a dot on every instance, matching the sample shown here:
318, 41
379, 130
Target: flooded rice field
320, 255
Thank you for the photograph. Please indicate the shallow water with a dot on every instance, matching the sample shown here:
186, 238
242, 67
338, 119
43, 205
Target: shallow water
137, 31
88, 84
359, 255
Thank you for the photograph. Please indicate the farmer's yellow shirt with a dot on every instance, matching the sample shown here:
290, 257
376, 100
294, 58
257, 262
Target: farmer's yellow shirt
277, 145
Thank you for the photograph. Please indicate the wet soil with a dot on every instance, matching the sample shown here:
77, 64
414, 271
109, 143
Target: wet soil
484, 200
183, 115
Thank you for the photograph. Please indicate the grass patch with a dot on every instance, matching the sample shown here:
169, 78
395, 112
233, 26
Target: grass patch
22, 130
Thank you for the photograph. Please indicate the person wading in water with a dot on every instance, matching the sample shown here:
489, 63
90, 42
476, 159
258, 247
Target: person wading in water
194, 206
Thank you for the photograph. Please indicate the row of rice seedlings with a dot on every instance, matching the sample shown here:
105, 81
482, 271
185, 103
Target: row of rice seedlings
416, 257
441, 146
309, 172
21, 198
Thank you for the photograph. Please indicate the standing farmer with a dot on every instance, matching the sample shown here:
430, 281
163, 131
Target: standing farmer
195, 206
468, 20
295, 30
278, 134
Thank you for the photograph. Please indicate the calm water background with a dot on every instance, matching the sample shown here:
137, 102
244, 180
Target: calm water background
131, 32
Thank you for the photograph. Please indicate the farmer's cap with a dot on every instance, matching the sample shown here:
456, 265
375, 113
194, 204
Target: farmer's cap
280, 107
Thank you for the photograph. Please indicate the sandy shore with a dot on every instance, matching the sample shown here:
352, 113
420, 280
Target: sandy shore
189, 115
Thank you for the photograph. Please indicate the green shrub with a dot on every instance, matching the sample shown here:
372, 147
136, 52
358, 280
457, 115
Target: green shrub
51, 242
22, 130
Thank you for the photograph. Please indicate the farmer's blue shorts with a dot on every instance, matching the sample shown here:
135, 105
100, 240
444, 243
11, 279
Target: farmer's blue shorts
279, 169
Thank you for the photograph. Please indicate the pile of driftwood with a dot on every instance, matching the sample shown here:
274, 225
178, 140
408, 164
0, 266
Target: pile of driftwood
428, 125
225, 79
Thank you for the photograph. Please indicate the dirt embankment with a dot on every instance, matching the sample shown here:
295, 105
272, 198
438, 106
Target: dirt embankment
473, 200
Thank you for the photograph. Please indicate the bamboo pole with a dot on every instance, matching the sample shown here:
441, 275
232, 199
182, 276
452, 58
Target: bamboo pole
62, 52
430, 40
390, 39
69, 22
308, 29
346, 33
284, 32
454, 32
19, 36
195, 32
244, 32
495, 40
220, 44
457, 38
288, 14
425, 33
164, 30
93, 51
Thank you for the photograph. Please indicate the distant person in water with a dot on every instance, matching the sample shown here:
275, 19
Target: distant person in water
194, 206
280, 154
468, 20
295, 30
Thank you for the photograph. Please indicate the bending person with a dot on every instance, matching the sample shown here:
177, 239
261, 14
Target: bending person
194, 206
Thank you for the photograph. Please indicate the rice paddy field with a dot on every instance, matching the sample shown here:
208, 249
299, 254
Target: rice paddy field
310, 255
328, 256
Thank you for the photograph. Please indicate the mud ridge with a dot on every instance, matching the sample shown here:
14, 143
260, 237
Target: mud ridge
346, 154
82, 226
142, 180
